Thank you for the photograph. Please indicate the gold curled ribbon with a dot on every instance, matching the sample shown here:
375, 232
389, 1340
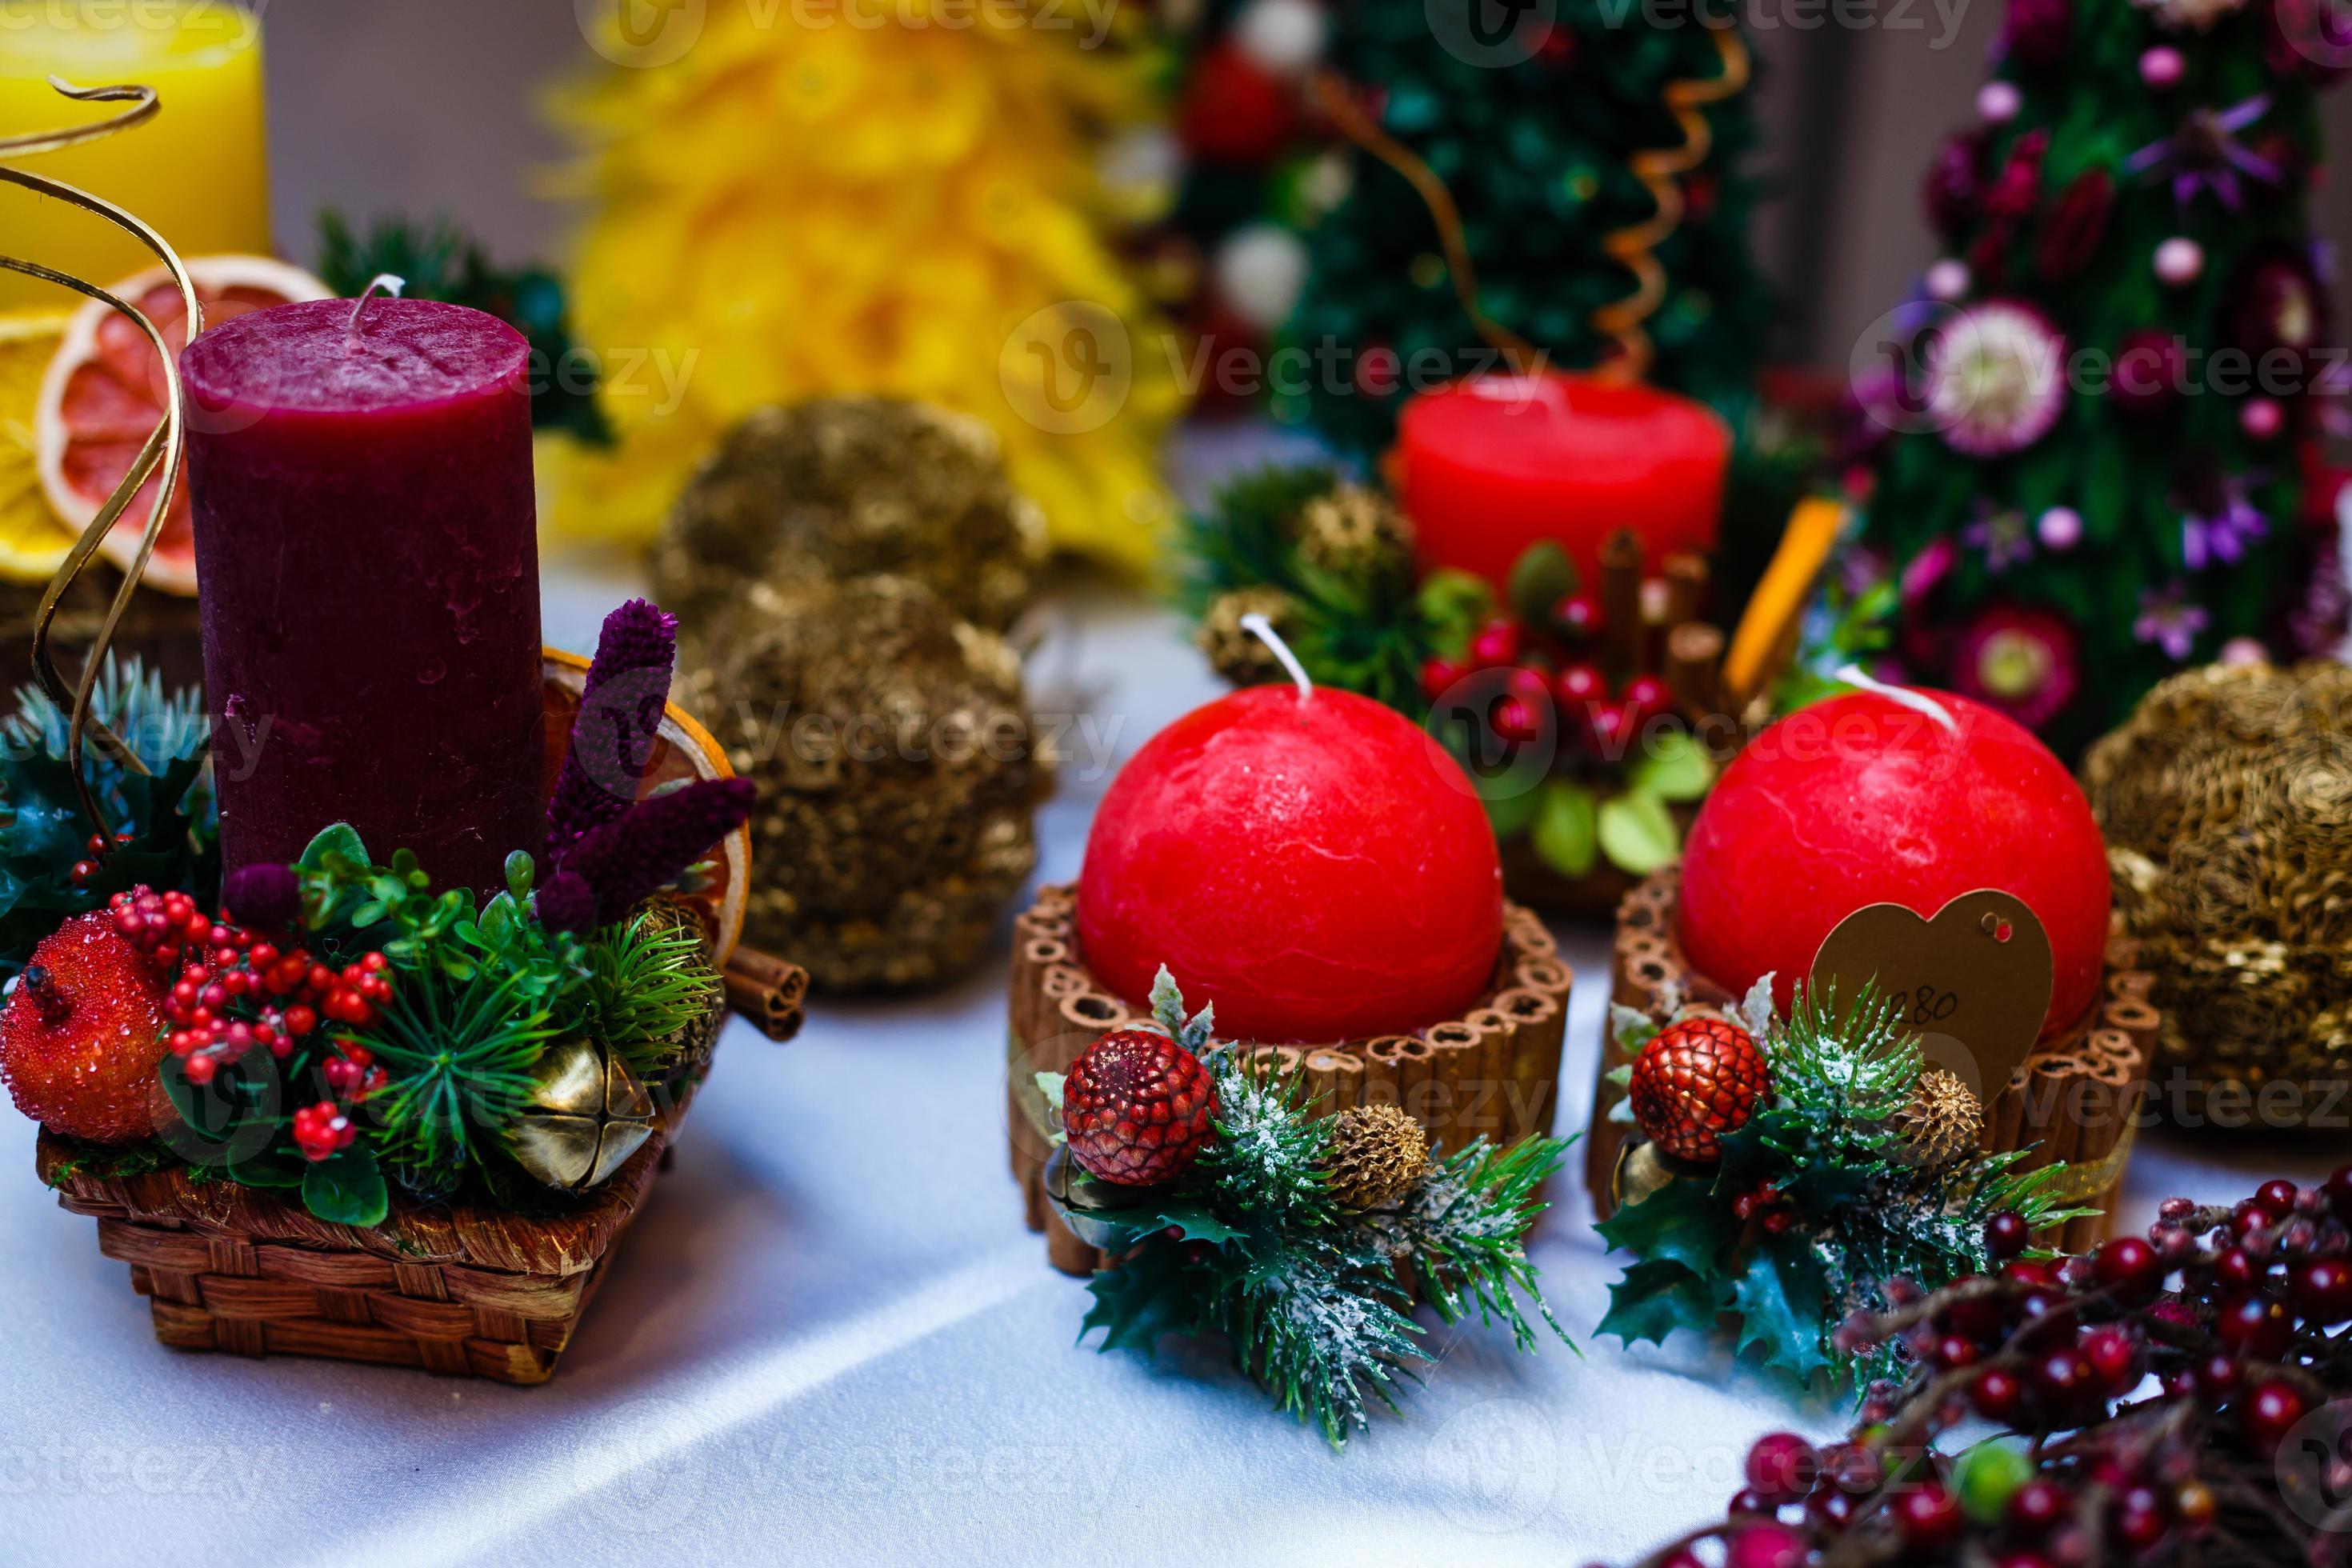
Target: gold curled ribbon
1331, 95
163, 447
1661, 169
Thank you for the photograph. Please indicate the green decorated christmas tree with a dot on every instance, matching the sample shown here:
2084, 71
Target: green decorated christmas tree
1532, 132
2095, 425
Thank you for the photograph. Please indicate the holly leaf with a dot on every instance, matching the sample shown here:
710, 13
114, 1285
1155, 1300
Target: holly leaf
1654, 1300
1150, 1294
1781, 1299
346, 1188
1197, 1224
1638, 833
1564, 833
1680, 1223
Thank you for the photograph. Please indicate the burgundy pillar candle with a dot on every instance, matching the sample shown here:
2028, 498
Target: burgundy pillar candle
368, 566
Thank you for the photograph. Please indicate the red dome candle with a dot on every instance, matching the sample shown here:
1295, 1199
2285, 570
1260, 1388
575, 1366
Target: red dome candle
1313, 864
368, 562
1864, 800
1488, 466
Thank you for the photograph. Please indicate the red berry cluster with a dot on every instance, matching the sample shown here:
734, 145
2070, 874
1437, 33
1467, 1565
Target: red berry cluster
87, 871
250, 992
1557, 685
2162, 1376
1768, 1206
160, 925
322, 1128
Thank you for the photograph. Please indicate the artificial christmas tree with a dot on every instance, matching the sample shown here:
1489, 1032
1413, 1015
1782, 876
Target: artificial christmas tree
2093, 427
1533, 135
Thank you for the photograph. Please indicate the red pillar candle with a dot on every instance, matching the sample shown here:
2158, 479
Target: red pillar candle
1488, 466
1862, 800
368, 566
1313, 864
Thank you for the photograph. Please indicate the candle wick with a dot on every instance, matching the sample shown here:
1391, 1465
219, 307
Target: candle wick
1918, 702
1258, 626
390, 283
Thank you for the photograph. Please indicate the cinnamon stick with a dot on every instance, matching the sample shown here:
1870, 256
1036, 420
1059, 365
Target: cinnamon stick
1621, 603
768, 991
1694, 661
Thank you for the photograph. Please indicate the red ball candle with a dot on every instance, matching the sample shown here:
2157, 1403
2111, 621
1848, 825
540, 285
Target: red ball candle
1489, 466
368, 566
1864, 800
1313, 864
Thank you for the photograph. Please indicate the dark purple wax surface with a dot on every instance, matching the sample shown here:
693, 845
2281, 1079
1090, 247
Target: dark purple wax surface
367, 549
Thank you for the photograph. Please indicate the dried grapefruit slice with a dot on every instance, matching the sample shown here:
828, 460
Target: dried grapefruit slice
32, 542
104, 392
685, 750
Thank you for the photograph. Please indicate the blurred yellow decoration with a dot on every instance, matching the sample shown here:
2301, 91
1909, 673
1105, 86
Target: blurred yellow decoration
898, 200
200, 175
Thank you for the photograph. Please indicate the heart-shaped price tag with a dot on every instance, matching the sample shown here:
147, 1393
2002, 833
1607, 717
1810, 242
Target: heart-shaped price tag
1973, 983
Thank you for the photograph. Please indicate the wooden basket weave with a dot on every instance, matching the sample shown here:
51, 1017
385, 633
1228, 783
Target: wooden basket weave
470, 1292
2077, 1099
1495, 1071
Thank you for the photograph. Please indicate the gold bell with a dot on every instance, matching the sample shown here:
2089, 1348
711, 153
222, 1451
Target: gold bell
586, 1115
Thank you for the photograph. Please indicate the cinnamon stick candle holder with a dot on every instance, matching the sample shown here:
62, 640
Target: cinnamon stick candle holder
2075, 1101
1493, 1072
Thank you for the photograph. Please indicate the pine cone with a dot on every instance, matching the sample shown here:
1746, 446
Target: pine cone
1698, 1080
1136, 1108
1376, 1153
1235, 653
1353, 531
1943, 1125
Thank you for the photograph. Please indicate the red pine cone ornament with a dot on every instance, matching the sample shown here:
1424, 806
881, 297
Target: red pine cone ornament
82, 1033
1136, 1107
1695, 1082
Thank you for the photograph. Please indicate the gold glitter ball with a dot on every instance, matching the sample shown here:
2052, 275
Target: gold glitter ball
1353, 531
844, 487
2226, 800
1234, 652
891, 741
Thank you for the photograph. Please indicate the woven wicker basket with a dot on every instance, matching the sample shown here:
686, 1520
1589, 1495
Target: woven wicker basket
2077, 1100
470, 1291
1494, 1072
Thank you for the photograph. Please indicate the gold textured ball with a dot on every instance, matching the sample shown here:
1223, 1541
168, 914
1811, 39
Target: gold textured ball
1376, 1153
1353, 531
1236, 653
891, 742
844, 487
1944, 1123
2226, 800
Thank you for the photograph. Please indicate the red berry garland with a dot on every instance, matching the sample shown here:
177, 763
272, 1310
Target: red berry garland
82, 1033
1136, 1107
1695, 1082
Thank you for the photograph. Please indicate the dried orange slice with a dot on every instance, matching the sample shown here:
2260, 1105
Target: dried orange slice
32, 542
684, 749
104, 392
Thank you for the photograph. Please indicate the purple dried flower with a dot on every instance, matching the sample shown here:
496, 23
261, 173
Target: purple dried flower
264, 898
567, 903
621, 707
645, 849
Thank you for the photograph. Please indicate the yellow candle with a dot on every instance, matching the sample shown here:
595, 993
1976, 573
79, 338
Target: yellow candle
199, 172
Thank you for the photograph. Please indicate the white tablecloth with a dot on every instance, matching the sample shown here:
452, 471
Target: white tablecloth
829, 1339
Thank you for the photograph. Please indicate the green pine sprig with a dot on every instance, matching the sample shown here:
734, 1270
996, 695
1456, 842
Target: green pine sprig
1249, 1244
649, 984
